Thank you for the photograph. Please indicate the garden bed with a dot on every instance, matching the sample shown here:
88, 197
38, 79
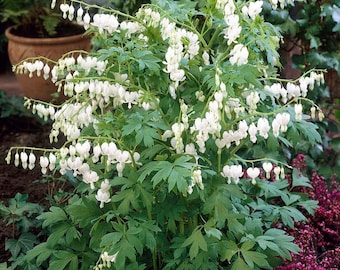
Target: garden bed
19, 131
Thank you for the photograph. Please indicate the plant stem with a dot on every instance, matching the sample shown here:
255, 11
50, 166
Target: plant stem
181, 226
195, 221
154, 258
219, 152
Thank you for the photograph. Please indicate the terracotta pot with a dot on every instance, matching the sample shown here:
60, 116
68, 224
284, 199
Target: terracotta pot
20, 48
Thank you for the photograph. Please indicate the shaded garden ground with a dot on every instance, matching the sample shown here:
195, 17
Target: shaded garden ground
19, 131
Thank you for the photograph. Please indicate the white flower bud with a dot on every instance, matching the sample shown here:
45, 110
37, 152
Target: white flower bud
263, 127
105, 185
72, 151
39, 65
321, 115
267, 166
80, 13
71, 12
52, 160
236, 172
87, 20
282, 173
255, 8
253, 173
90, 177
220, 143
63, 152
103, 197
64, 8
53, 3
136, 156
312, 112
108, 258
298, 112
205, 57
43, 163
120, 167
277, 171
24, 158
16, 159
96, 153
252, 130
31, 161
8, 158
239, 55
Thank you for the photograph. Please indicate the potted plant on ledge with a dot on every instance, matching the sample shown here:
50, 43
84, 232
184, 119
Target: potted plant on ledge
38, 30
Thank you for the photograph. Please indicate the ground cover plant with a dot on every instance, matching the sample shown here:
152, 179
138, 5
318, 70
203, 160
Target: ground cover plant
318, 236
177, 137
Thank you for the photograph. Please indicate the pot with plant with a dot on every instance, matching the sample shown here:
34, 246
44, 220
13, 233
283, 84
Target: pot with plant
38, 30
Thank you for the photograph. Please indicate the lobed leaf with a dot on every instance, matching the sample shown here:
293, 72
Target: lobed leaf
197, 242
300, 180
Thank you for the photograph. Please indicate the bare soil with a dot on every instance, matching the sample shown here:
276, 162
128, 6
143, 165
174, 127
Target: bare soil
19, 131
63, 29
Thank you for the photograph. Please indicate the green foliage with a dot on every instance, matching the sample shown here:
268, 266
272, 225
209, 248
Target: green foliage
127, 6
81, 227
313, 30
21, 215
174, 173
30, 15
3, 266
20, 212
11, 106
315, 24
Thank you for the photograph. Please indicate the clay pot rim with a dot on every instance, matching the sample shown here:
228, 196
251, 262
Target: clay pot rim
43, 41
